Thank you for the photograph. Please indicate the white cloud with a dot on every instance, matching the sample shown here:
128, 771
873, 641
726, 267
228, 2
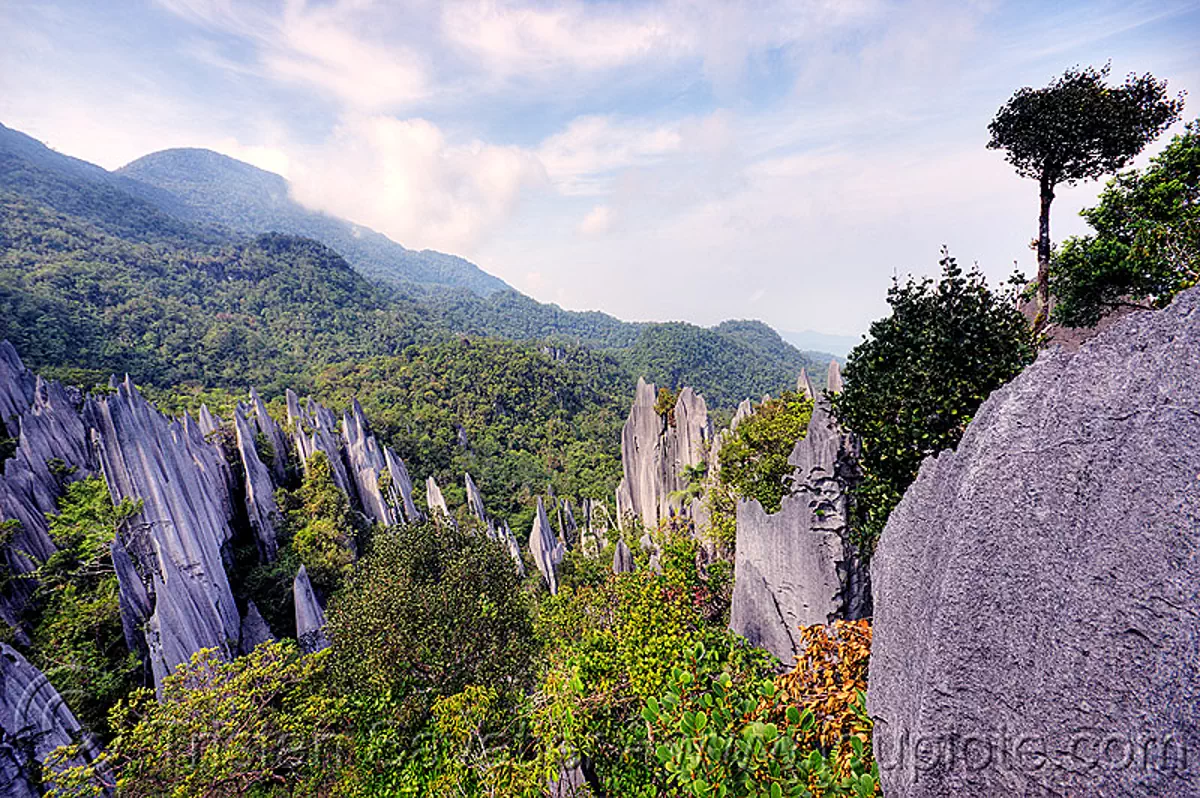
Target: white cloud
511, 38
598, 221
327, 47
405, 179
592, 147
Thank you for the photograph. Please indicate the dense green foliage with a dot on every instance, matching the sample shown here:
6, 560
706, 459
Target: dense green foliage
1078, 128
1146, 244
75, 618
753, 463
250, 313
427, 612
754, 460
321, 528
516, 417
264, 724
726, 364
912, 387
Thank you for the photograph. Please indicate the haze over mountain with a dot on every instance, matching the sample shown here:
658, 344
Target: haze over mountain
214, 188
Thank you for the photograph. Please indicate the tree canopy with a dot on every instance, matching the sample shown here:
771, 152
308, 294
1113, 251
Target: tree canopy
913, 386
1146, 244
1078, 128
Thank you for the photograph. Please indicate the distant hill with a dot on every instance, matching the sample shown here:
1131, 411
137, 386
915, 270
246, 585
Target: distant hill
809, 340
158, 270
207, 187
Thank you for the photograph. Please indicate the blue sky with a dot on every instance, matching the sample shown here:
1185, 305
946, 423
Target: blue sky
657, 160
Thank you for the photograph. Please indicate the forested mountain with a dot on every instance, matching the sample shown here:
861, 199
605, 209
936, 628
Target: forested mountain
188, 266
207, 187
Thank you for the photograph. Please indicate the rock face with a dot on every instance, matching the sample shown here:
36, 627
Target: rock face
796, 567
174, 567
261, 508
51, 451
547, 551
436, 502
32, 714
1037, 611
654, 454
254, 630
310, 617
380, 477
265, 425
314, 429
622, 558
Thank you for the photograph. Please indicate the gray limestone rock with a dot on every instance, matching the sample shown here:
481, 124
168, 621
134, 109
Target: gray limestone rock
797, 567
264, 514
833, 380
310, 616
402, 486
546, 549
33, 714
314, 429
383, 499
175, 543
255, 630
51, 451
622, 558
436, 503
1036, 604
804, 385
209, 424
654, 454
266, 426
474, 500
16, 387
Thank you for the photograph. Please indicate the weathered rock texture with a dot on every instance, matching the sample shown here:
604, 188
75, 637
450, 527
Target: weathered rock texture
439, 511
622, 558
174, 580
51, 451
546, 549
314, 429
797, 567
263, 512
1037, 615
254, 629
310, 616
654, 454
34, 720
266, 426
380, 477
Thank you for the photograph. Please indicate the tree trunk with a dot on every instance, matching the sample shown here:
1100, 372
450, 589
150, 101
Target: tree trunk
1043, 255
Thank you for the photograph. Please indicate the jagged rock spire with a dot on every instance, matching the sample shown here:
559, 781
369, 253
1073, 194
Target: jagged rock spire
31, 710
804, 385
261, 508
255, 630
436, 503
310, 617
796, 567
833, 381
182, 481
266, 426
653, 455
546, 550
475, 500
49, 431
622, 558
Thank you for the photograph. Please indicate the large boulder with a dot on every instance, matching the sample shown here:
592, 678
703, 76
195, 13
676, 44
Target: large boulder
1037, 614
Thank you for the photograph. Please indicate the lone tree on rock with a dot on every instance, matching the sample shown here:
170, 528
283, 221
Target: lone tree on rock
1078, 128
